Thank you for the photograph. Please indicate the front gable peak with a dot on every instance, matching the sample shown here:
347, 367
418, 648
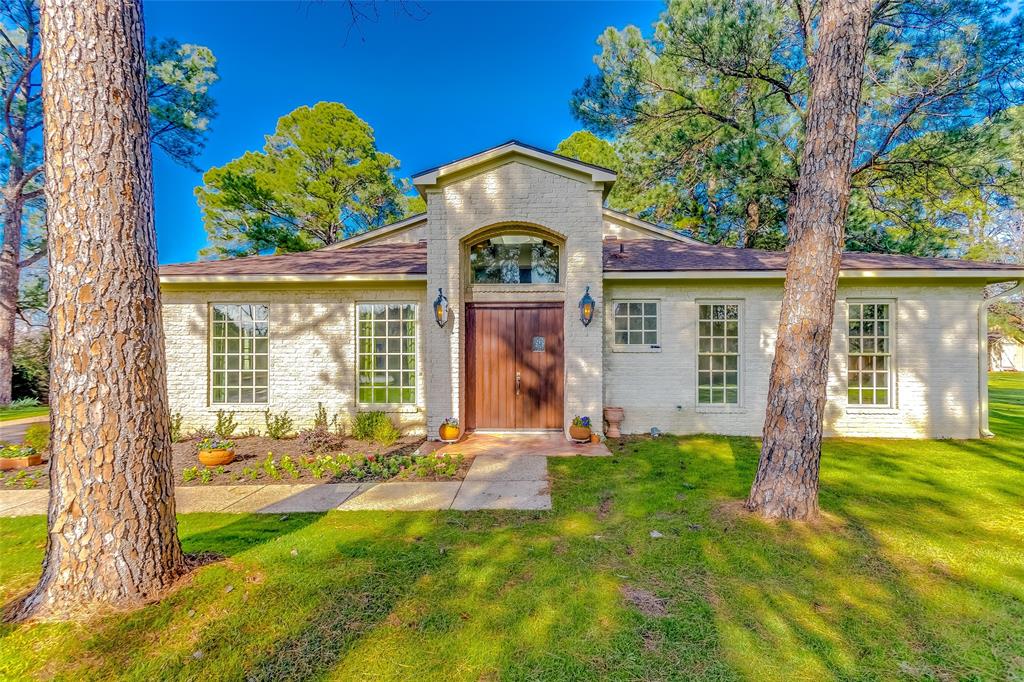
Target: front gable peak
513, 149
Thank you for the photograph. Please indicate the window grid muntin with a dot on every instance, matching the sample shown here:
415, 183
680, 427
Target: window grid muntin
386, 336
239, 354
635, 323
869, 354
718, 354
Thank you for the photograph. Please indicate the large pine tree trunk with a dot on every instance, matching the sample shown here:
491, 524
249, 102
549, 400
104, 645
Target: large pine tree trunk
786, 484
112, 534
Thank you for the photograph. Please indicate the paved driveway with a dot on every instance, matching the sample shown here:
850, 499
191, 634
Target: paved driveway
14, 431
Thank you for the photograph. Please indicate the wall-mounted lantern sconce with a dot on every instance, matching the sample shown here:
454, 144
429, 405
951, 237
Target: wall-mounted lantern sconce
586, 307
441, 308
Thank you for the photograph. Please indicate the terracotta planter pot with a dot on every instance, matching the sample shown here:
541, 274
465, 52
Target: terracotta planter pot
216, 458
580, 434
448, 433
613, 417
8, 463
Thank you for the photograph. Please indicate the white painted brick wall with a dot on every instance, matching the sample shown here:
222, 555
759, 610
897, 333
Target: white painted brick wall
312, 351
936, 362
515, 192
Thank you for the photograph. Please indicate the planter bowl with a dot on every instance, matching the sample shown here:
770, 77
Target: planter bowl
8, 463
448, 433
613, 417
216, 458
580, 434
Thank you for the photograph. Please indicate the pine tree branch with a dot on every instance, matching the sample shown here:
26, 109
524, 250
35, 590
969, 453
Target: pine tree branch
34, 258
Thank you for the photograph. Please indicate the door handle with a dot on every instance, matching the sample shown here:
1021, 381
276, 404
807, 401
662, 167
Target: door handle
519, 382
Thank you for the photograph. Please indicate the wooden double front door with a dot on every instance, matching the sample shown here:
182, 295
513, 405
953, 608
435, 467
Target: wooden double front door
514, 366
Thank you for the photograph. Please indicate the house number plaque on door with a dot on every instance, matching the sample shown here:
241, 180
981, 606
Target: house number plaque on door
538, 344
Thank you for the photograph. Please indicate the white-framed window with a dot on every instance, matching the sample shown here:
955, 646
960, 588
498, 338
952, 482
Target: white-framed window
386, 350
869, 353
635, 324
718, 353
239, 353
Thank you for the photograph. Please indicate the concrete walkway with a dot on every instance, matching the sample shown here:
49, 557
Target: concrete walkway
509, 471
492, 482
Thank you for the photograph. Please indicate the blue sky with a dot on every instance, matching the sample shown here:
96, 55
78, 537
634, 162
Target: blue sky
465, 77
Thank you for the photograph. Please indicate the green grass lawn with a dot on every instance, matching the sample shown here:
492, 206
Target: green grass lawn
917, 573
9, 413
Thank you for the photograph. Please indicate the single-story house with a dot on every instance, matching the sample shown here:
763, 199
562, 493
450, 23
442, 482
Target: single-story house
518, 300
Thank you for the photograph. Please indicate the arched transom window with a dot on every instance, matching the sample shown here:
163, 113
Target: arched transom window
513, 258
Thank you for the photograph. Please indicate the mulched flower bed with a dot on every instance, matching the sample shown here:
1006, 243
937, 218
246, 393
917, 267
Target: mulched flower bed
28, 478
252, 453
251, 456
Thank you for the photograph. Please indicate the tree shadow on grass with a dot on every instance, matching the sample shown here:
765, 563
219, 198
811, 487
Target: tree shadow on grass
887, 585
210, 541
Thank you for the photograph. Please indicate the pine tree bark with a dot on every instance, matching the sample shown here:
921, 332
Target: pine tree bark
786, 483
112, 537
752, 226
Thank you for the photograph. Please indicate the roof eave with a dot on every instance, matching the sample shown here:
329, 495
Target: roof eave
988, 275
286, 279
370, 235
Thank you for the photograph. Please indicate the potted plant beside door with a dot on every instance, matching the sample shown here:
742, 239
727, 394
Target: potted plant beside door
579, 431
449, 431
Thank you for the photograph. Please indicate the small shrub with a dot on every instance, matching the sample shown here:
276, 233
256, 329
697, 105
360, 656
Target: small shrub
252, 473
250, 432
205, 476
376, 426
202, 433
226, 424
189, 474
386, 433
319, 440
278, 425
25, 402
336, 465
288, 464
317, 467
270, 467
176, 420
38, 436
320, 417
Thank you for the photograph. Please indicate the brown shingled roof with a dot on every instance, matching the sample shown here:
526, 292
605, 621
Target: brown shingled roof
637, 255
655, 255
373, 259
